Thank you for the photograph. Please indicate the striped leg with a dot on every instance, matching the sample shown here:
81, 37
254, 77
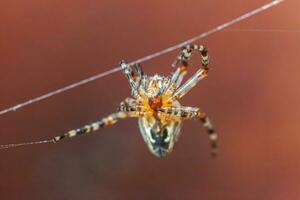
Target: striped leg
131, 105
130, 76
139, 70
211, 132
189, 84
192, 113
176, 79
183, 58
181, 71
106, 121
182, 112
187, 52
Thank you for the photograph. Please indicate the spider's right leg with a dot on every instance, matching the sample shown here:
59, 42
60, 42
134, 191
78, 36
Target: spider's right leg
177, 78
211, 131
106, 121
199, 75
187, 52
183, 58
180, 71
195, 113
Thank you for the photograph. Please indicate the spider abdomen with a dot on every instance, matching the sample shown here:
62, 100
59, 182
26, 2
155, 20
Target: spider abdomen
160, 133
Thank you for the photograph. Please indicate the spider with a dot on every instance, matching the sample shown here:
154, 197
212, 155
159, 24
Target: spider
154, 101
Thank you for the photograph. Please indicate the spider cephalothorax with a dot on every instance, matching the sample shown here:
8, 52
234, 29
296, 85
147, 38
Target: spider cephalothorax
155, 102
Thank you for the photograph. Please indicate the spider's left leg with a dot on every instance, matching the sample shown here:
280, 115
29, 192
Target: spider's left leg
130, 105
106, 121
132, 78
139, 70
195, 113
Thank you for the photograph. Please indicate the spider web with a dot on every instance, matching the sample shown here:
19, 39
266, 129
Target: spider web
146, 58
264, 30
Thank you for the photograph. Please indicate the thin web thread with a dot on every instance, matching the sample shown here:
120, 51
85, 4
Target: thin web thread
264, 30
146, 58
7, 146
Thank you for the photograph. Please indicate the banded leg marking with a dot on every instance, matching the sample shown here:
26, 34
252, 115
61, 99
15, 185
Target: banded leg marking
129, 74
139, 70
182, 112
183, 58
130, 105
187, 52
211, 132
192, 113
190, 83
106, 121
176, 79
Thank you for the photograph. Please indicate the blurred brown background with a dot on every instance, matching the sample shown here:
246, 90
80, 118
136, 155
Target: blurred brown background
252, 95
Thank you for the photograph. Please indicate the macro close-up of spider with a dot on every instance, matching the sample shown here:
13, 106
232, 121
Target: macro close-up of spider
149, 100
155, 103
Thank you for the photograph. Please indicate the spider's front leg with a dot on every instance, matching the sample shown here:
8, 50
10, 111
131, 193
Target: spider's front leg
106, 121
195, 113
186, 53
183, 58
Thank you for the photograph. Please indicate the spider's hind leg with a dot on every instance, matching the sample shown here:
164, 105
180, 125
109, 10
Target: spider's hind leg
211, 132
195, 113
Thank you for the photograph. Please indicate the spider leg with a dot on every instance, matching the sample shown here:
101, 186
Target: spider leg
176, 79
127, 105
211, 131
139, 70
130, 105
195, 113
186, 53
183, 58
127, 69
106, 121
189, 84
